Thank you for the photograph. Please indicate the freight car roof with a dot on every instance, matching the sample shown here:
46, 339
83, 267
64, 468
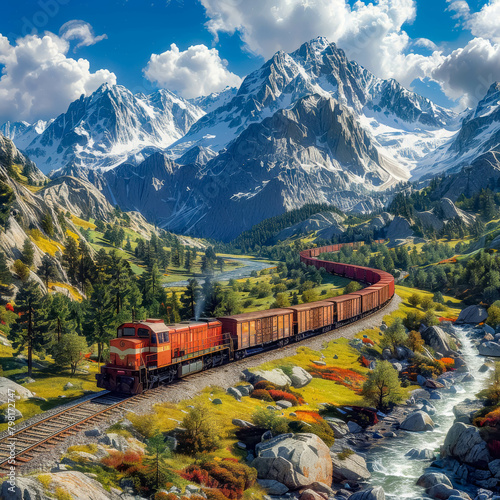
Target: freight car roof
257, 314
310, 305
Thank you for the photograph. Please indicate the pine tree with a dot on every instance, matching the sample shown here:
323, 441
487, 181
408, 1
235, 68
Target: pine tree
27, 331
5, 274
7, 198
157, 451
28, 253
58, 315
119, 279
134, 299
71, 259
151, 283
99, 326
47, 224
47, 271
190, 297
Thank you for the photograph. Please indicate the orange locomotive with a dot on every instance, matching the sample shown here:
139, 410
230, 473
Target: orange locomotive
147, 353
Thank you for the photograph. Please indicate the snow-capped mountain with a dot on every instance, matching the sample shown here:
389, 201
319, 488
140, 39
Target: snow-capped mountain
478, 136
214, 100
310, 126
111, 126
23, 133
406, 125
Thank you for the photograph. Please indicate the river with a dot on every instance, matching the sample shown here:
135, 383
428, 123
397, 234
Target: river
395, 472
238, 273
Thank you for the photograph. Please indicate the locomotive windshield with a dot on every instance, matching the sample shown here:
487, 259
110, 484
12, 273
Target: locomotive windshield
127, 332
143, 333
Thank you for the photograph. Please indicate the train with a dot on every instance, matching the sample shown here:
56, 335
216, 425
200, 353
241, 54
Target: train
148, 353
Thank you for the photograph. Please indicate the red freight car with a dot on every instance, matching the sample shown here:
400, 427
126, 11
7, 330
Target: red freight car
369, 298
259, 327
346, 306
313, 316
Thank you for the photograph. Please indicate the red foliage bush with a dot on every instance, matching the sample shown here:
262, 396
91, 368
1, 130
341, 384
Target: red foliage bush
114, 459
491, 419
228, 477
282, 395
365, 362
9, 307
368, 341
262, 394
343, 376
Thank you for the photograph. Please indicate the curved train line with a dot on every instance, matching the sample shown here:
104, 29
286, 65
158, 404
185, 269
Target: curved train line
20, 447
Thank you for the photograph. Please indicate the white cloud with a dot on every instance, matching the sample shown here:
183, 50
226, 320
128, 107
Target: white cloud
368, 32
38, 80
467, 73
485, 23
193, 72
80, 31
460, 9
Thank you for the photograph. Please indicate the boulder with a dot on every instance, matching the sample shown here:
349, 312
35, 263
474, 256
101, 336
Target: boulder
489, 349
284, 404
300, 377
430, 479
349, 468
273, 487
438, 339
296, 460
310, 494
245, 390
338, 426
276, 376
425, 454
436, 395
472, 315
233, 391
488, 329
418, 421
444, 492
217, 401
421, 380
433, 384
7, 384
354, 427
373, 493
242, 423
9, 414
80, 485
464, 442
68, 385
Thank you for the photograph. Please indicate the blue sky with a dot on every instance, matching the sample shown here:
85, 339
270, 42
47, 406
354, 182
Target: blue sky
447, 50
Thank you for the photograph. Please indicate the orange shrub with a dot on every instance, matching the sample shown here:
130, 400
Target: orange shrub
491, 419
282, 395
114, 459
368, 341
311, 417
262, 394
343, 376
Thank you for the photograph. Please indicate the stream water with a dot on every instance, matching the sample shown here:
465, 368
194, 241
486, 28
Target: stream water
398, 474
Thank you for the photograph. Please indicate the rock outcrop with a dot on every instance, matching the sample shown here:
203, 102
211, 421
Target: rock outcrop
349, 467
417, 421
472, 315
295, 460
276, 376
438, 339
465, 443
300, 377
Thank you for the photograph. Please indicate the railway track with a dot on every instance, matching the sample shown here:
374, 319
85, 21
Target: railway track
23, 445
